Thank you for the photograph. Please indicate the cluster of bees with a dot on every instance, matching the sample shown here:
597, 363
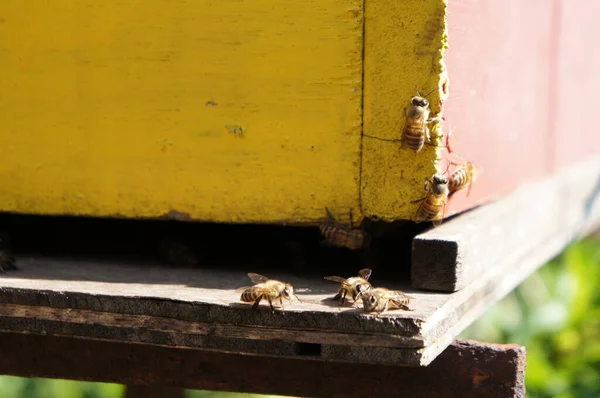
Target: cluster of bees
376, 300
438, 189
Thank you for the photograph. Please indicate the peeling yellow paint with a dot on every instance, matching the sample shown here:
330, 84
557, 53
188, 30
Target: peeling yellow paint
245, 111
405, 42
232, 111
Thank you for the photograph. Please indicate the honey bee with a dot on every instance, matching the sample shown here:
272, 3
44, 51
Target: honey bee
266, 288
354, 286
461, 177
434, 202
7, 260
338, 235
382, 299
417, 119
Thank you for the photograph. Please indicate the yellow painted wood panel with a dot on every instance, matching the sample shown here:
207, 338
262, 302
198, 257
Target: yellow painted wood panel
221, 110
405, 42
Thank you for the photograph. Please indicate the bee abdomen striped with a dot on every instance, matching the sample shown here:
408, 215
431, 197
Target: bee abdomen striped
352, 239
248, 296
414, 136
458, 180
328, 231
430, 209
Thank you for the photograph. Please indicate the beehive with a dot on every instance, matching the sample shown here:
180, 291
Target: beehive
227, 111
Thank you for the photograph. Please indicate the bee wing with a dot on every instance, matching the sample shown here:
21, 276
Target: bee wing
335, 222
400, 299
365, 273
437, 223
256, 278
241, 289
469, 188
268, 292
338, 279
331, 217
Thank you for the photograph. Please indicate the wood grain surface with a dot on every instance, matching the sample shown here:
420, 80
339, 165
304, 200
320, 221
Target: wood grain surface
200, 308
465, 369
537, 221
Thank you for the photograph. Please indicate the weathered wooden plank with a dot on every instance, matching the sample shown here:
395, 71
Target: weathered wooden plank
199, 308
465, 369
534, 222
234, 111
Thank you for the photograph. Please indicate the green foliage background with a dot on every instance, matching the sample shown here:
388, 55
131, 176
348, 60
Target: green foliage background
555, 314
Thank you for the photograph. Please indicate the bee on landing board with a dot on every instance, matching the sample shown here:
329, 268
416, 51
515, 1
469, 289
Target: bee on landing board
416, 131
382, 299
268, 289
338, 235
354, 286
463, 176
434, 202
7, 260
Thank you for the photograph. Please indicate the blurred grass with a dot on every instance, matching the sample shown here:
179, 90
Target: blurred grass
555, 313
19, 387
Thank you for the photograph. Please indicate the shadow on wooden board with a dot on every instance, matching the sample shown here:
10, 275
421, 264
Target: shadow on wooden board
465, 369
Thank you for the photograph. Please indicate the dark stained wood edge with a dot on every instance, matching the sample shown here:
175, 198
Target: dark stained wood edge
163, 332
33, 316
406, 329
464, 369
498, 235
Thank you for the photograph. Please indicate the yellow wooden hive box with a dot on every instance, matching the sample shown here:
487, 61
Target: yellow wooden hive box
215, 110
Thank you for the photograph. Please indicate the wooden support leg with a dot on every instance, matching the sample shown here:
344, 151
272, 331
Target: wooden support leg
465, 369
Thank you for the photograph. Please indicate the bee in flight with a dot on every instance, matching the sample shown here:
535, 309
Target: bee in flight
7, 260
339, 235
434, 202
417, 118
268, 289
354, 286
381, 299
463, 176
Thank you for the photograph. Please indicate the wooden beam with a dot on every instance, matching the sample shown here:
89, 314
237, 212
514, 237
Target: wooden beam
524, 229
465, 369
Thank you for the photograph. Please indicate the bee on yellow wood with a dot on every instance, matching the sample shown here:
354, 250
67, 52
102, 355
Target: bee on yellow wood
463, 176
434, 202
354, 286
339, 235
268, 289
382, 299
7, 260
416, 131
